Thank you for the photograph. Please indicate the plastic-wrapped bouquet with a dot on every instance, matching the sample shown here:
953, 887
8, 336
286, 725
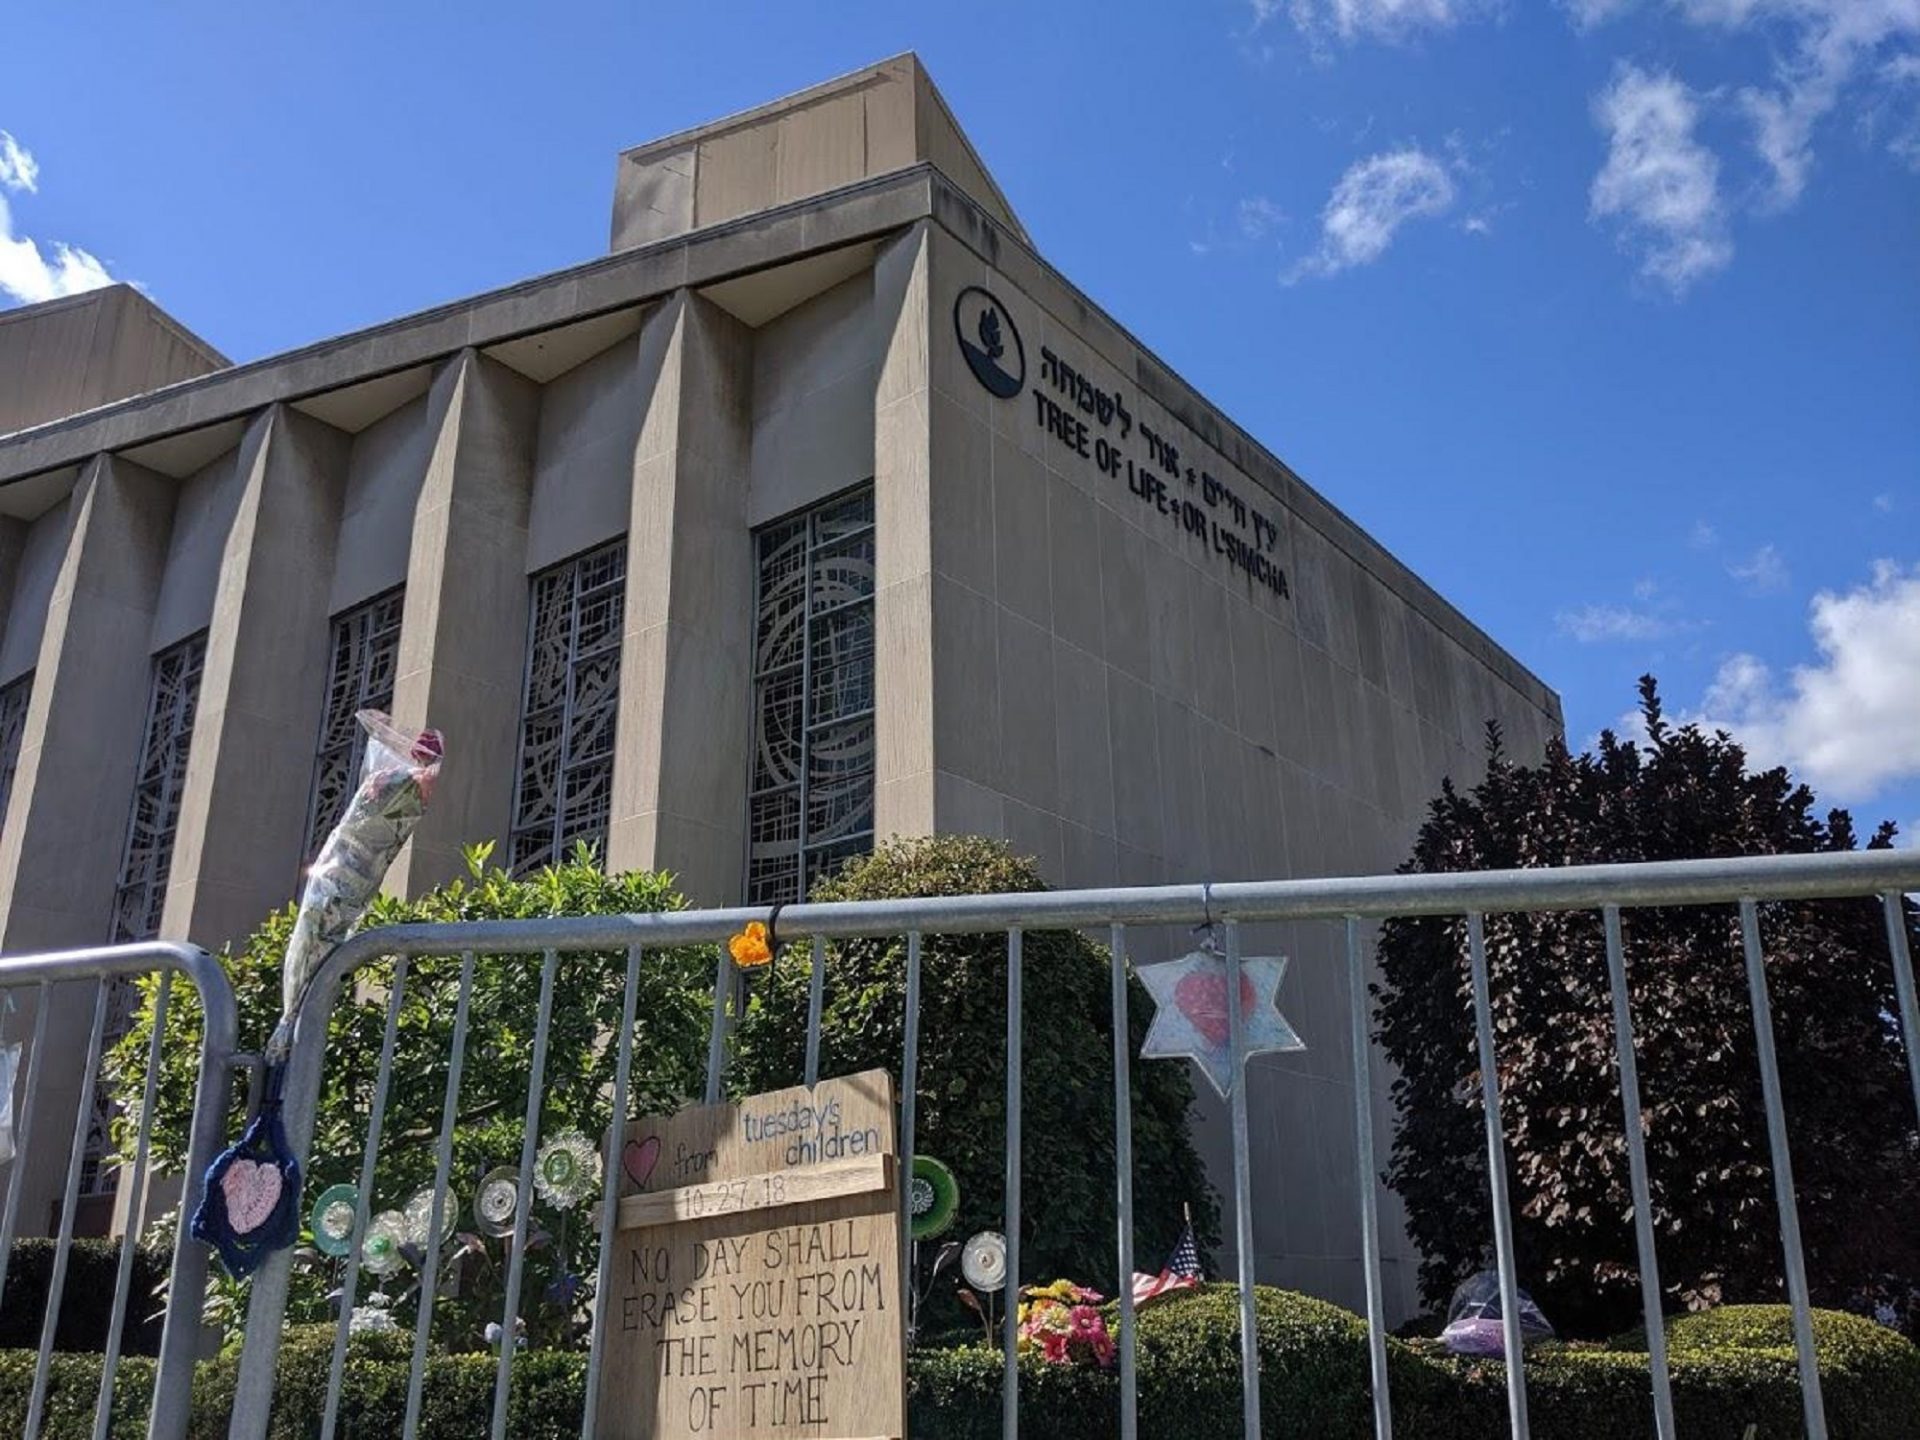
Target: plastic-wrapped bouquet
1474, 1325
396, 781
1062, 1322
250, 1206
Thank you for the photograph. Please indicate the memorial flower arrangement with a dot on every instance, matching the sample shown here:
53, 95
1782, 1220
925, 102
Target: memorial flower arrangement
1062, 1322
752, 947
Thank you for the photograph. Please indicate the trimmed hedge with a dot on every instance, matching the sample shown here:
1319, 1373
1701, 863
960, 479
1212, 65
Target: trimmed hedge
1731, 1369
86, 1303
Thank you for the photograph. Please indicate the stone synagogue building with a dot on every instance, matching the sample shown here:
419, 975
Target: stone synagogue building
820, 508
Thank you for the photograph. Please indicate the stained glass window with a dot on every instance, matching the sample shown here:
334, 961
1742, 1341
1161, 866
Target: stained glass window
174, 695
13, 725
811, 789
362, 657
564, 790
141, 895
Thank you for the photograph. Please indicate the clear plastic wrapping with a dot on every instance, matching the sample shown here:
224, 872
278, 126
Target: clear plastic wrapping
396, 781
1474, 1318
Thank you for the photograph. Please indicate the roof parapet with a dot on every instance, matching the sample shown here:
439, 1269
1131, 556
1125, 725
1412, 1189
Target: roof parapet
874, 121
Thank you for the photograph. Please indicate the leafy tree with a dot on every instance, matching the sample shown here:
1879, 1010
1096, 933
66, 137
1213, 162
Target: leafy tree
669, 1061
1067, 1194
1682, 794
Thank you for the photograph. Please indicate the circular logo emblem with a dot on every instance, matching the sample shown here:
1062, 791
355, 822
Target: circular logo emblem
990, 342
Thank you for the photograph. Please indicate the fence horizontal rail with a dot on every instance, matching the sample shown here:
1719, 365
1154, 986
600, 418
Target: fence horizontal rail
1577, 887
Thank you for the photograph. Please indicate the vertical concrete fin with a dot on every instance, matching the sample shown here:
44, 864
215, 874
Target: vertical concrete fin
686, 663
67, 823
243, 809
903, 563
463, 631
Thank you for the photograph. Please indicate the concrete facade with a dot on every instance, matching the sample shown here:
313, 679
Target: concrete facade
1107, 625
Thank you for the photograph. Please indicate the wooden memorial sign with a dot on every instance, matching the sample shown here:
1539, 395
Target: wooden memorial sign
755, 1292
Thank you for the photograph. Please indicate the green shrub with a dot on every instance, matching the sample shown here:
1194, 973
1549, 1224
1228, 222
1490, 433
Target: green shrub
1729, 1372
1067, 1209
86, 1302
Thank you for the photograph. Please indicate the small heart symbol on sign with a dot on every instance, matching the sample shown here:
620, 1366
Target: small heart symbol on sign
639, 1158
252, 1189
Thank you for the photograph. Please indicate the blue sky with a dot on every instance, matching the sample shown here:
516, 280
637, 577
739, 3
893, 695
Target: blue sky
1603, 315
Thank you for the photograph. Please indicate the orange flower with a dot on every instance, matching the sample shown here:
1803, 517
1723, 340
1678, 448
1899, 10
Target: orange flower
749, 948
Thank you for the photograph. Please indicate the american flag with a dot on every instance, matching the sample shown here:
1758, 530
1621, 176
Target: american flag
1181, 1272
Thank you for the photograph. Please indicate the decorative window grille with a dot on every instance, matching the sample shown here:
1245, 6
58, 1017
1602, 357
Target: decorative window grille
361, 662
144, 866
13, 726
174, 696
564, 790
811, 792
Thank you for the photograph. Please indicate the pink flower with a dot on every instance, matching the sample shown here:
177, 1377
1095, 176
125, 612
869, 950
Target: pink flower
1103, 1348
1085, 1322
1053, 1347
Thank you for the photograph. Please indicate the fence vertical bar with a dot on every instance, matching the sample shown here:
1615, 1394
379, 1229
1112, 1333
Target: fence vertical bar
1242, 1192
187, 1282
529, 1143
1783, 1192
717, 1026
123, 1275
1637, 1173
63, 1247
610, 1192
442, 1173
23, 1132
909, 1082
363, 1200
1895, 906
1123, 1181
1497, 1179
816, 999
1010, 1327
1369, 1201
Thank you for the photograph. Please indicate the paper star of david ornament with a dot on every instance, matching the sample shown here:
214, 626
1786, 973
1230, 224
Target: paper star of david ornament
1190, 1012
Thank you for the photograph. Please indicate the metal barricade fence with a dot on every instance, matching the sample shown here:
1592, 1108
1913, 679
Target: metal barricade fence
1743, 883
180, 1334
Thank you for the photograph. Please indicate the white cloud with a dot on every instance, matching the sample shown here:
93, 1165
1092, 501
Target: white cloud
1259, 217
18, 169
1589, 13
1659, 183
1831, 43
1370, 203
1374, 19
1846, 723
1597, 624
1824, 49
1762, 572
26, 274
1883, 502
1703, 536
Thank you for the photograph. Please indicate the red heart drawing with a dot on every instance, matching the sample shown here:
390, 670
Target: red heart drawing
1202, 998
639, 1158
252, 1189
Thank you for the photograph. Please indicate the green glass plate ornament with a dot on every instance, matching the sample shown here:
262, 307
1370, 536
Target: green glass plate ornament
380, 1249
933, 1197
567, 1170
333, 1219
